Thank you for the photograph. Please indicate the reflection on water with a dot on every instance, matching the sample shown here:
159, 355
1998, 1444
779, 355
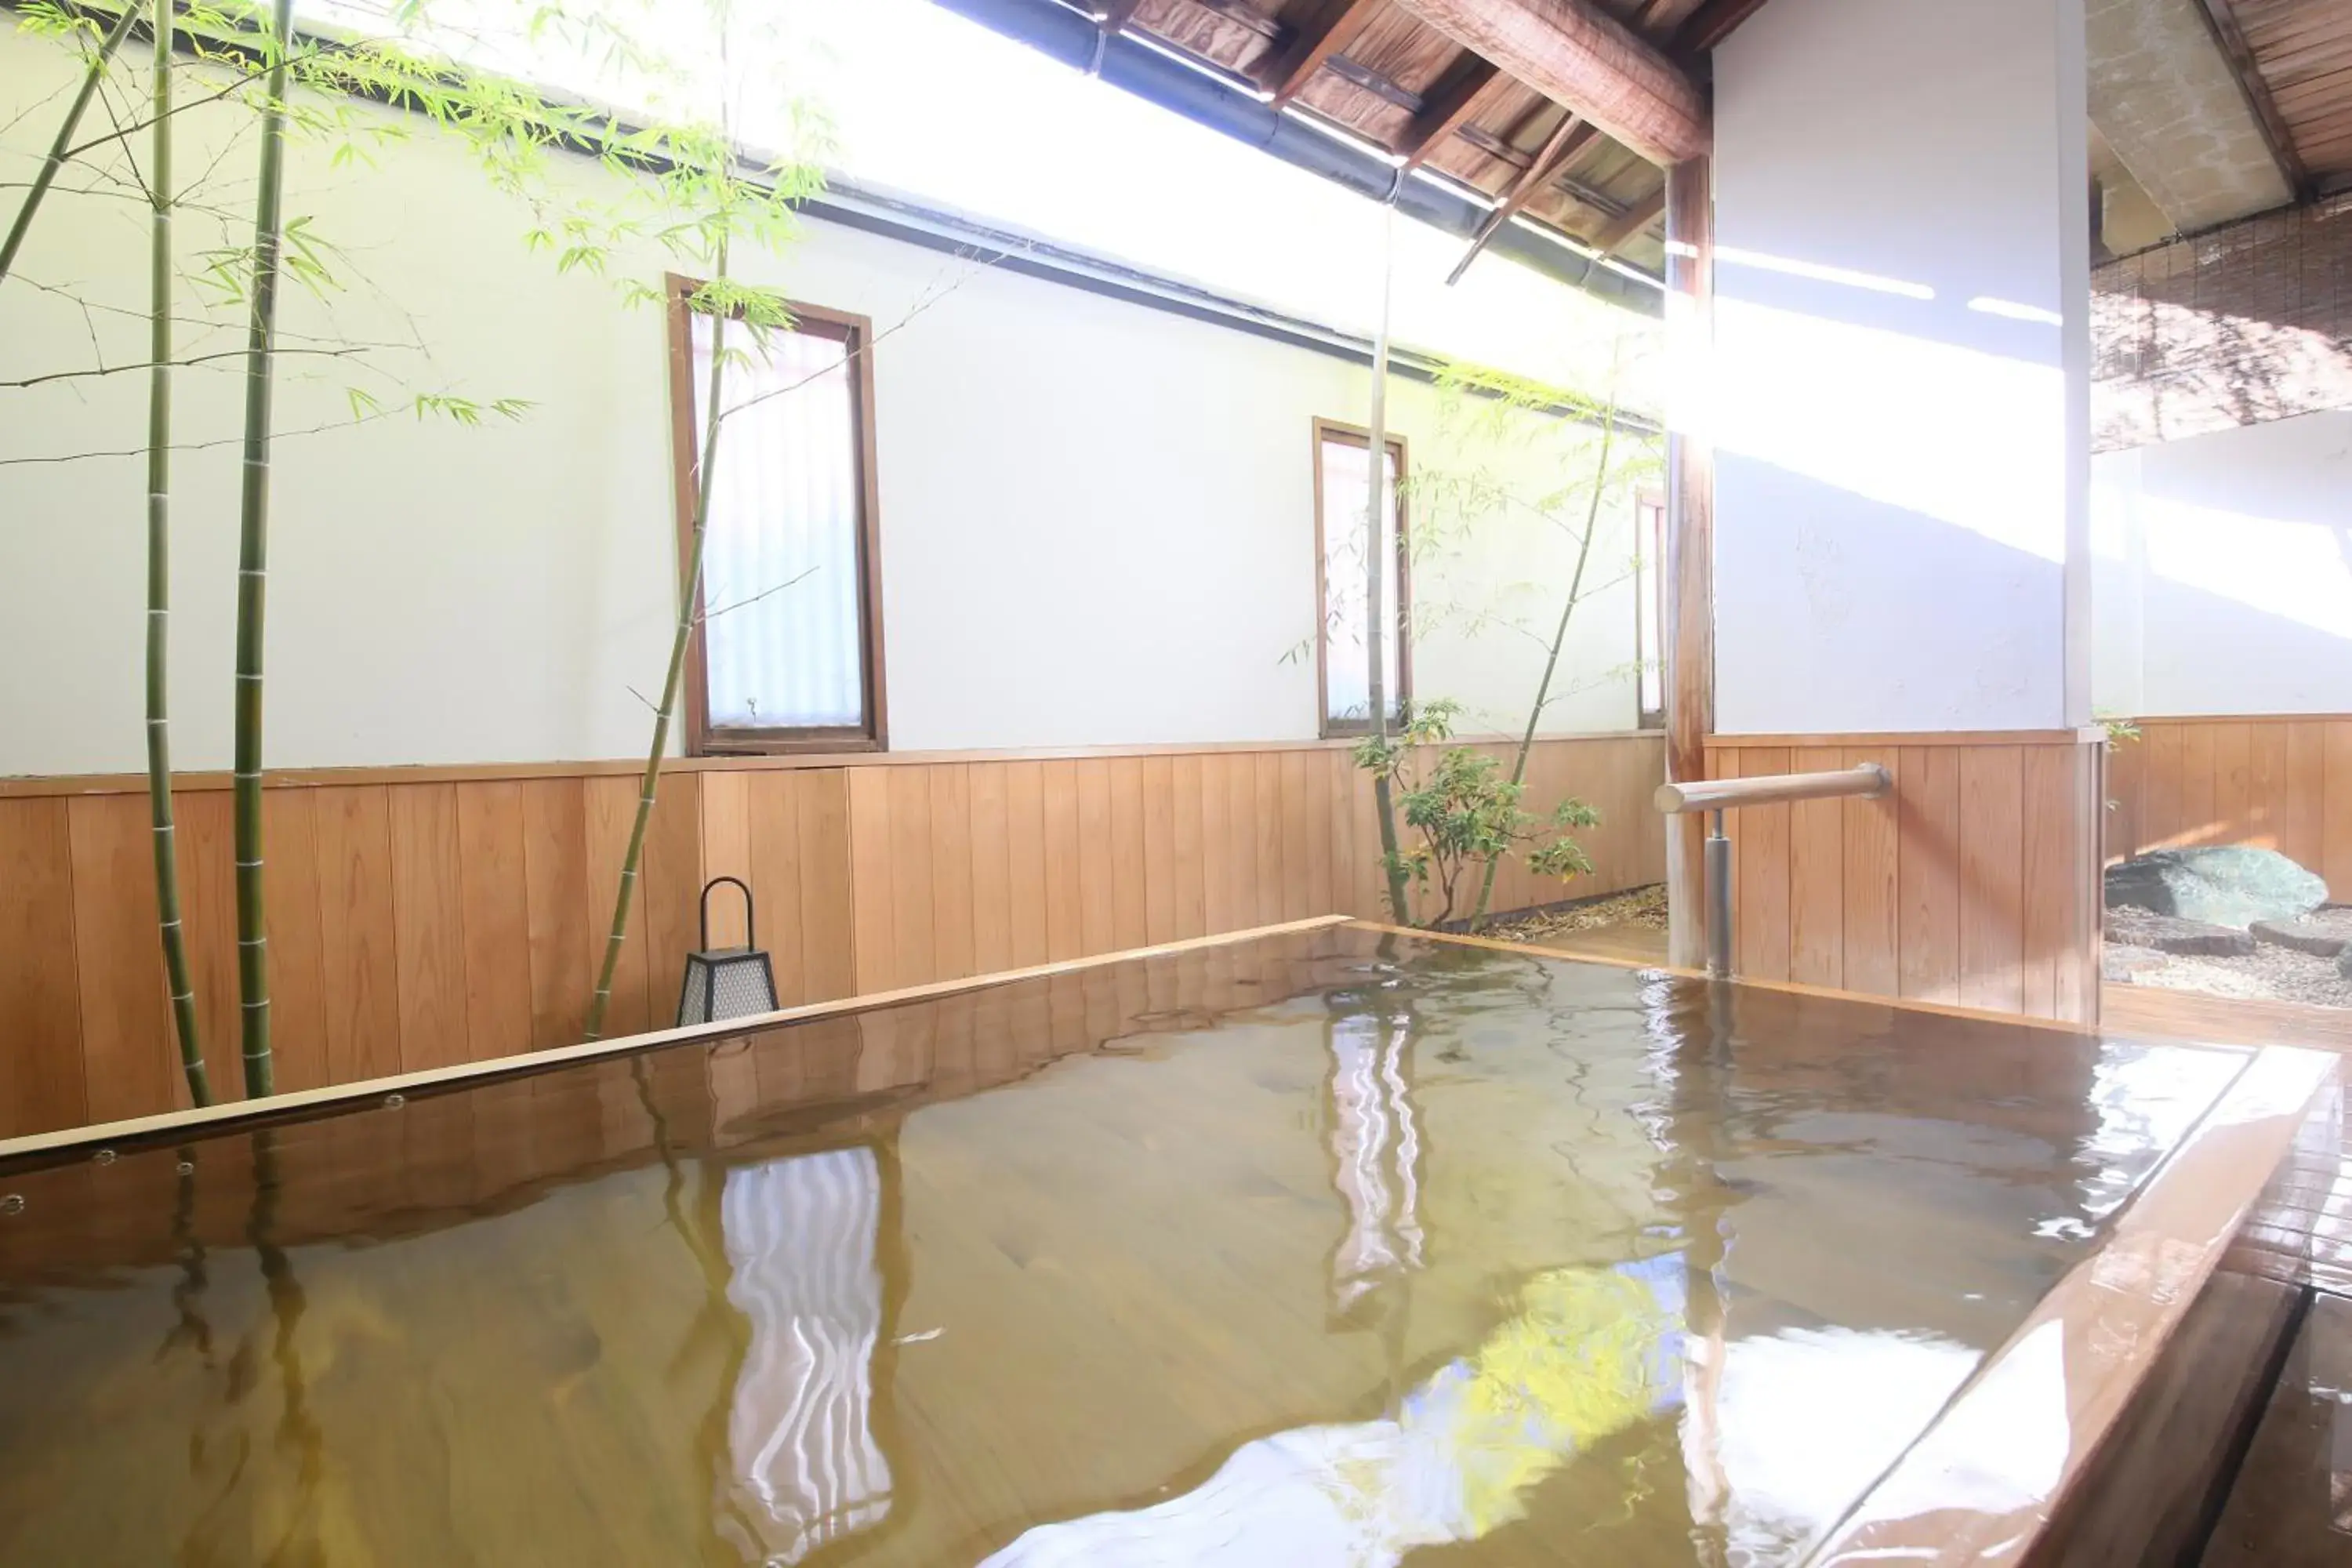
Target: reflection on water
800, 1236
1325, 1249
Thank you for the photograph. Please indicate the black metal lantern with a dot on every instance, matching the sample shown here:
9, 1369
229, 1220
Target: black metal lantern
728, 982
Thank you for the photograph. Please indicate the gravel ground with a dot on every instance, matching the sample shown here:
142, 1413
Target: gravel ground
2272, 973
1643, 907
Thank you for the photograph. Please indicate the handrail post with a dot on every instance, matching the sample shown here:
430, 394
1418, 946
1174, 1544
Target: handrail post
1718, 899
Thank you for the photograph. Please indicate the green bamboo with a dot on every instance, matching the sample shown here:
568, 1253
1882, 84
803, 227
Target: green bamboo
158, 572
689, 596
1551, 658
1375, 635
59, 147
253, 568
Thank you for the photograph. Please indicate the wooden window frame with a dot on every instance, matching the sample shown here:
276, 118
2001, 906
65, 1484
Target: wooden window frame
1649, 547
702, 739
1357, 436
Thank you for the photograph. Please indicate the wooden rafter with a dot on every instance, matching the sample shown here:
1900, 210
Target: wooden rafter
1449, 106
1630, 222
1577, 54
1712, 23
1573, 134
1296, 66
2221, 18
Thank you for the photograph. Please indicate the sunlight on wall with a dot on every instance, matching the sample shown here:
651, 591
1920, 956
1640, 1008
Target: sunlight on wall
926, 102
1935, 441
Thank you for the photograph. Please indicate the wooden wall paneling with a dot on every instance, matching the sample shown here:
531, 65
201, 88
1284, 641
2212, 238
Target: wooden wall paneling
2265, 779
1992, 877
2300, 810
672, 889
1063, 796
827, 905
208, 904
2234, 784
2053, 864
771, 823
611, 803
358, 947
1761, 911
950, 847
2198, 821
1266, 824
2161, 822
727, 850
1928, 793
1024, 843
496, 919
1340, 806
130, 1062
1158, 778
1128, 901
1372, 880
1220, 890
1872, 898
1098, 921
986, 786
914, 921
298, 975
2335, 810
1190, 893
428, 925
1302, 846
1817, 878
562, 956
42, 1087
874, 921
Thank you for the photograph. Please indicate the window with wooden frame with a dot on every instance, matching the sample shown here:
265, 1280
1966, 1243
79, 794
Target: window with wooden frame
787, 650
1342, 659
1650, 608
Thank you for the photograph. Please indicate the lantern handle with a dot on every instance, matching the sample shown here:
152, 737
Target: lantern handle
751, 939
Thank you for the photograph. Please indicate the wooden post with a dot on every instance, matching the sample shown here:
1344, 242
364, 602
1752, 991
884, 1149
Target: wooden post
1690, 539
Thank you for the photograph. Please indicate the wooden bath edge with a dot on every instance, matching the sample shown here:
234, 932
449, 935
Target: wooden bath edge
1984, 1482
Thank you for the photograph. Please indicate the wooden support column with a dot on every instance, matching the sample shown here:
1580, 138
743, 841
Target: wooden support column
1690, 539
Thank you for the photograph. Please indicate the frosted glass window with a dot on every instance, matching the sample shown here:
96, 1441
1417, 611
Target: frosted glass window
783, 588
1347, 662
1650, 610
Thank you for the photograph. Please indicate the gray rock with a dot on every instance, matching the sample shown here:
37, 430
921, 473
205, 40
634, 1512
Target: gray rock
2343, 960
2231, 885
2300, 937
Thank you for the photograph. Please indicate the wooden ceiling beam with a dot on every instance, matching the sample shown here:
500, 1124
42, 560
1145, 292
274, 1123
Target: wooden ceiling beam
1578, 54
1451, 103
1712, 23
1114, 15
1573, 135
1296, 66
2222, 20
1631, 222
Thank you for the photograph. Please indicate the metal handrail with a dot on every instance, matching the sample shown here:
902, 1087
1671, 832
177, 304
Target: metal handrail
1718, 795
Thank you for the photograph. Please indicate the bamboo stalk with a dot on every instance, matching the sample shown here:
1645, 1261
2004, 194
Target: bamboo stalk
689, 596
252, 569
159, 573
63, 144
1551, 658
1375, 637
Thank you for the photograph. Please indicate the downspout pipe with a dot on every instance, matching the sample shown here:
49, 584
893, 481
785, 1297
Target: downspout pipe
1232, 110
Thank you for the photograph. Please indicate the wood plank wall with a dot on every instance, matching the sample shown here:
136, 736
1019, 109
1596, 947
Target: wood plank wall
2283, 783
1970, 883
460, 915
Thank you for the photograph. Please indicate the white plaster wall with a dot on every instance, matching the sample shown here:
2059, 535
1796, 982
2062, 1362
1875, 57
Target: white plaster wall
2225, 571
1902, 332
1097, 519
